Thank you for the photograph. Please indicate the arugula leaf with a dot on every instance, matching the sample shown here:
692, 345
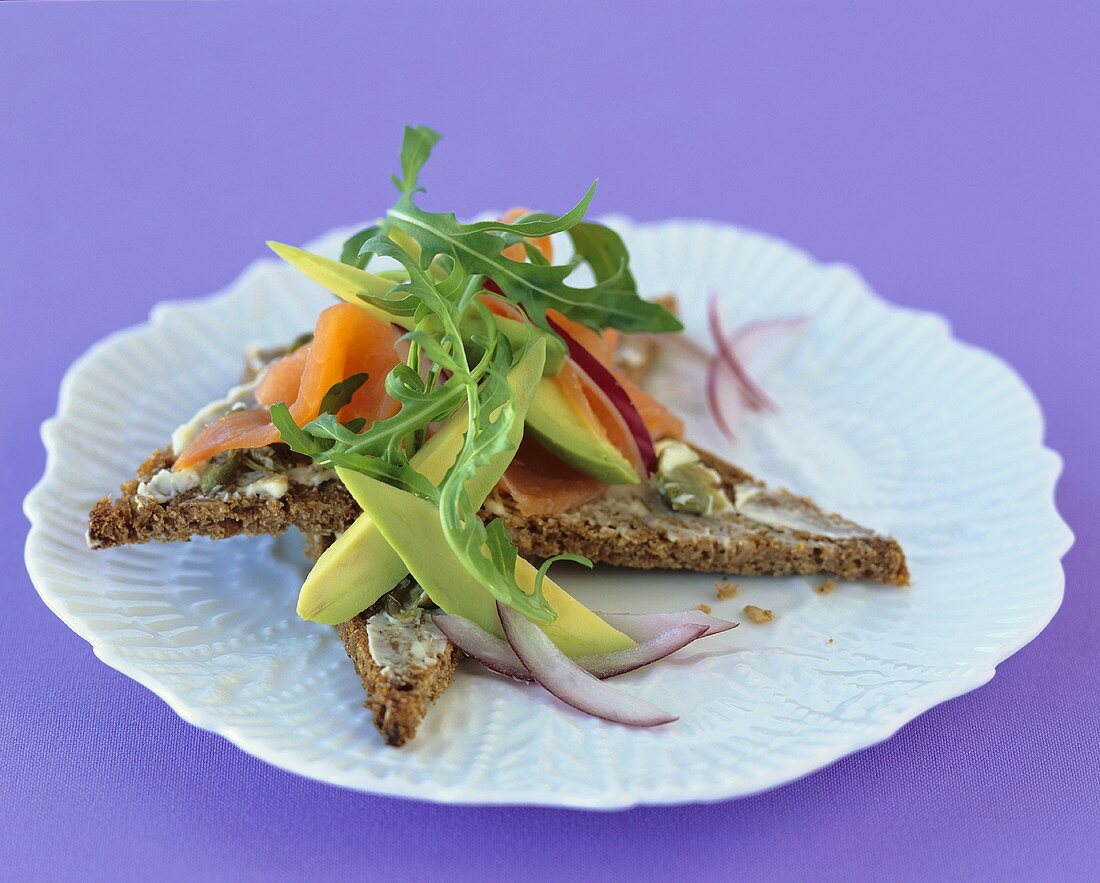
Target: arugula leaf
459, 357
492, 416
291, 434
540, 576
603, 250
351, 254
341, 393
610, 304
416, 147
613, 302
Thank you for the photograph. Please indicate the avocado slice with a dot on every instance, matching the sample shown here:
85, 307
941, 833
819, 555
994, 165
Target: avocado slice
411, 526
361, 566
559, 429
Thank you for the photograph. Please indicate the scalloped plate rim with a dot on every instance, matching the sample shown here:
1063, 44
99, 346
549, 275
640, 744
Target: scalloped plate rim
1060, 535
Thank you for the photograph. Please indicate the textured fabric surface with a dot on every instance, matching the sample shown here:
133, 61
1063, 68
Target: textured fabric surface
949, 151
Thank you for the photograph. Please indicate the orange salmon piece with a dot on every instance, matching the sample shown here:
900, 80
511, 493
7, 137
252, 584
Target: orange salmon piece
541, 484
346, 341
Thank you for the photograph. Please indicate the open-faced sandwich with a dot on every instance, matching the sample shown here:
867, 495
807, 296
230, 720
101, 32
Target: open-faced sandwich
465, 414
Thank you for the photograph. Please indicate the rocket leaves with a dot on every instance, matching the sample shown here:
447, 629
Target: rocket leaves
612, 302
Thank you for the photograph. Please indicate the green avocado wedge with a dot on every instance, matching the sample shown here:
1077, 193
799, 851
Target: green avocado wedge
559, 429
411, 526
361, 566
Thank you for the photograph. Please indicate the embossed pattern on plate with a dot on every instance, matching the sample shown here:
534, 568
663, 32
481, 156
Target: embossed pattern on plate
885, 417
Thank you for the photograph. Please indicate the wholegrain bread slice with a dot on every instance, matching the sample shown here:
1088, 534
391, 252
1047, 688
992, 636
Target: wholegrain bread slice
634, 527
398, 696
627, 527
318, 509
398, 699
135, 516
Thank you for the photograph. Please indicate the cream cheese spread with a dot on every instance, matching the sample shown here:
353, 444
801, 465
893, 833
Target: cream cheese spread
311, 475
402, 646
165, 484
784, 511
274, 486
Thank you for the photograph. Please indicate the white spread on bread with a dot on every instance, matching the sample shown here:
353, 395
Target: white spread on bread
785, 511
403, 645
165, 484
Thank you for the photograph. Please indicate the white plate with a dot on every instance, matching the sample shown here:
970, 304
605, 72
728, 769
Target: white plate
885, 417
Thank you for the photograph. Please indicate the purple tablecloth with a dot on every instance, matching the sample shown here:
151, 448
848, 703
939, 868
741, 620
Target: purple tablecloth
949, 151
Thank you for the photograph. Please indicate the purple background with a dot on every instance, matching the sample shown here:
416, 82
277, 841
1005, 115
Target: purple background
949, 151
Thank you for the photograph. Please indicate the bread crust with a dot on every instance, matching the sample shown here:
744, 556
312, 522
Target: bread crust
132, 518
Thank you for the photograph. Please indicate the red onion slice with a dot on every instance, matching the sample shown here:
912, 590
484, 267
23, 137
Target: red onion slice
606, 381
755, 397
747, 339
561, 676
643, 627
495, 654
715, 398
608, 665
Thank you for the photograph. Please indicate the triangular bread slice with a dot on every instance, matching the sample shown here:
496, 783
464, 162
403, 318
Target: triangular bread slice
399, 693
767, 532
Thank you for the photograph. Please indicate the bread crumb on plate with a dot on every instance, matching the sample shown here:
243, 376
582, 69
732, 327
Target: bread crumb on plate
758, 614
706, 608
726, 590
825, 587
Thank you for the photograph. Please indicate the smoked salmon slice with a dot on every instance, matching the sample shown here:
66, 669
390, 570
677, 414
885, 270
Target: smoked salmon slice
346, 341
658, 419
542, 484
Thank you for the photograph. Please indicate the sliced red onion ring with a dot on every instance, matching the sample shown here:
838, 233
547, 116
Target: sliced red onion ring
492, 652
497, 655
747, 339
608, 665
715, 397
606, 381
755, 397
646, 626
561, 676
